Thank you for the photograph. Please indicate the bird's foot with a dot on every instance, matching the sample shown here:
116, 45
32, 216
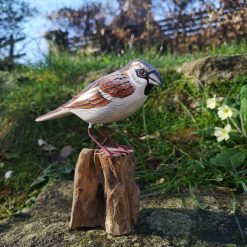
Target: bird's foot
113, 152
123, 147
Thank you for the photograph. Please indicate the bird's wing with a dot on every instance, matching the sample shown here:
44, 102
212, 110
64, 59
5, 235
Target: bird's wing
101, 92
97, 94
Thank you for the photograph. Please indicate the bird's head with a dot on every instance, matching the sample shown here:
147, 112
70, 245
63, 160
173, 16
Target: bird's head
144, 74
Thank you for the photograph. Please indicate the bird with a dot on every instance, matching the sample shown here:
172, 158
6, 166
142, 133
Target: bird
111, 98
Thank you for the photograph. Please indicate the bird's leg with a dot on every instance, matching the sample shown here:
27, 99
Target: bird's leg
107, 152
115, 152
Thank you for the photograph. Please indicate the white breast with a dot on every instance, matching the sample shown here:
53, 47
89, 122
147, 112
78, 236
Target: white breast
116, 110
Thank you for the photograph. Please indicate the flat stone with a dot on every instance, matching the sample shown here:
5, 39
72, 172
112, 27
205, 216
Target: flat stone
167, 220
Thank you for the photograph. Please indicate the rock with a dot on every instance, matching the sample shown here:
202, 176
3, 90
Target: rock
66, 151
163, 221
215, 68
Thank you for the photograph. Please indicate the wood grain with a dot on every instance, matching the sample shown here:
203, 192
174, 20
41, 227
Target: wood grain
105, 192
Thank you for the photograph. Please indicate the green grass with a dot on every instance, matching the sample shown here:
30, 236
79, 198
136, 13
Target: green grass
167, 152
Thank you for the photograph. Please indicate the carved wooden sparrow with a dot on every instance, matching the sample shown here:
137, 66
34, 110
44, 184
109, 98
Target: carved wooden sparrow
111, 98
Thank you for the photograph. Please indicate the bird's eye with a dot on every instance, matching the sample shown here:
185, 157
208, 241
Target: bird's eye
142, 72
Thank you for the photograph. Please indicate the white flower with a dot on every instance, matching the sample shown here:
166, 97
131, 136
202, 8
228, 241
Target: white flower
222, 133
224, 112
211, 102
8, 174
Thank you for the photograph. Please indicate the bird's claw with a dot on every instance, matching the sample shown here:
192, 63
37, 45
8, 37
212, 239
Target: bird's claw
114, 152
123, 147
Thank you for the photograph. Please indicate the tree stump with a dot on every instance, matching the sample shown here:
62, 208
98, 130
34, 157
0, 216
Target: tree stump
105, 193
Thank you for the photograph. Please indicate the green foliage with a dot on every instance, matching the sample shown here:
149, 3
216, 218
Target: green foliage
172, 151
243, 104
230, 157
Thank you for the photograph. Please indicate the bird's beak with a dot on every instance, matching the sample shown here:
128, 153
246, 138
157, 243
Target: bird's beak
155, 78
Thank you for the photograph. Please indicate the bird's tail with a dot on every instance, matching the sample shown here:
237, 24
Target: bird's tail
58, 113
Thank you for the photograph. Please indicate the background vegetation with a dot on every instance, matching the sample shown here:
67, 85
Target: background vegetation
171, 136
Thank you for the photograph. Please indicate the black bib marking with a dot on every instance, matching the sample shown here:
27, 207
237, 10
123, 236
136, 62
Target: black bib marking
148, 88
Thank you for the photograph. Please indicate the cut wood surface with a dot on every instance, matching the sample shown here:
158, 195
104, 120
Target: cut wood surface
105, 193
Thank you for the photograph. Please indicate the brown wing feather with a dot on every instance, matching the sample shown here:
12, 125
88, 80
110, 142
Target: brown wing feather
116, 85
97, 100
119, 86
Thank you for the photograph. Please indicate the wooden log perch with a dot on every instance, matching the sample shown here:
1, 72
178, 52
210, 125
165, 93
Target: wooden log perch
105, 193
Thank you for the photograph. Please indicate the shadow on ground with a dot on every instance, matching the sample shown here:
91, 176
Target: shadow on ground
192, 225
